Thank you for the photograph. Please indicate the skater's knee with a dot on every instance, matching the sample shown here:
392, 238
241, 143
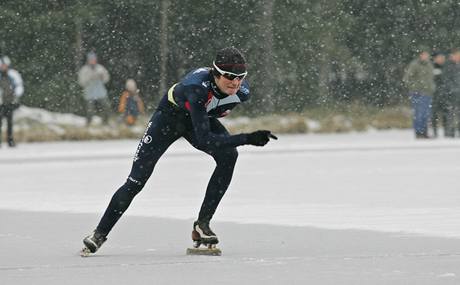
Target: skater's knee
133, 185
226, 155
126, 193
233, 154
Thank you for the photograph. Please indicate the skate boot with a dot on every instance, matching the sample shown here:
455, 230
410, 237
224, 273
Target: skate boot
203, 235
92, 243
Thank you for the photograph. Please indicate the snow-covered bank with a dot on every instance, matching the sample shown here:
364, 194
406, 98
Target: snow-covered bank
34, 124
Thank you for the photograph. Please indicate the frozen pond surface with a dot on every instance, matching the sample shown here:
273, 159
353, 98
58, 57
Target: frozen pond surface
361, 208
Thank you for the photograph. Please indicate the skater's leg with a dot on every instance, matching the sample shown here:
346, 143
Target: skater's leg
161, 132
219, 182
225, 158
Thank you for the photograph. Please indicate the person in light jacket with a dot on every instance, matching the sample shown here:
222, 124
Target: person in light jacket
92, 77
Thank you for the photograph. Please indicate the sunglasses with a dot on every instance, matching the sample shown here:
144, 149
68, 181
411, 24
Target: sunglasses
230, 75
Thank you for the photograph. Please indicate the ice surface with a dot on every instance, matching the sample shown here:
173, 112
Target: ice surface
359, 208
41, 248
384, 181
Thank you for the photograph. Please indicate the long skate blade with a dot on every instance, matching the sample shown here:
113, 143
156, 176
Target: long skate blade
85, 252
204, 251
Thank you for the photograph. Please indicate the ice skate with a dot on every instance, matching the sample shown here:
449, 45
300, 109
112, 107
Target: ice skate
92, 243
203, 235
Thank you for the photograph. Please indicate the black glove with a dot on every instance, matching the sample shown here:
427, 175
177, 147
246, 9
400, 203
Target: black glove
260, 138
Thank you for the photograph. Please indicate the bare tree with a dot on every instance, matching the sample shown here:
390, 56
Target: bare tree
78, 43
267, 66
163, 45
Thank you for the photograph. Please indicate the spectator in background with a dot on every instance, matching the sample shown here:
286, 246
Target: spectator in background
452, 71
131, 104
11, 88
92, 77
441, 112
419, 79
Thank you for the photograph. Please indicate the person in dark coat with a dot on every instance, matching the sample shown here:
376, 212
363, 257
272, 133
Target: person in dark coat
452, 77
11, 88
190, 109
441, 112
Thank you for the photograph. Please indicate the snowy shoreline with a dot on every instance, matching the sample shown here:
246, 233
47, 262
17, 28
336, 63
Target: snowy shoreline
40, 125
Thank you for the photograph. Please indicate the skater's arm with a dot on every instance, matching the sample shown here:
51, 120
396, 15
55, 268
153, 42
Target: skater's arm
197, 98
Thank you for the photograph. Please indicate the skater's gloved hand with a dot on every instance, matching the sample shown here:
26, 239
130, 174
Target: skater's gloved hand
260, 138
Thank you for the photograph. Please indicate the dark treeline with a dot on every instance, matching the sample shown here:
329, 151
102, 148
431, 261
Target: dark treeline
301, 54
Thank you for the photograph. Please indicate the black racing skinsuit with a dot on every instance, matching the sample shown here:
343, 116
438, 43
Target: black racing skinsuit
187, 115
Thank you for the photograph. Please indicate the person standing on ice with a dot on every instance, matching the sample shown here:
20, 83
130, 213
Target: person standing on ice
452, 71
11, 88
190, 109
441, 112
419, 79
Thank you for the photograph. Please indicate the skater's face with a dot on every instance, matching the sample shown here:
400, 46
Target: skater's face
228, 86
228, 82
